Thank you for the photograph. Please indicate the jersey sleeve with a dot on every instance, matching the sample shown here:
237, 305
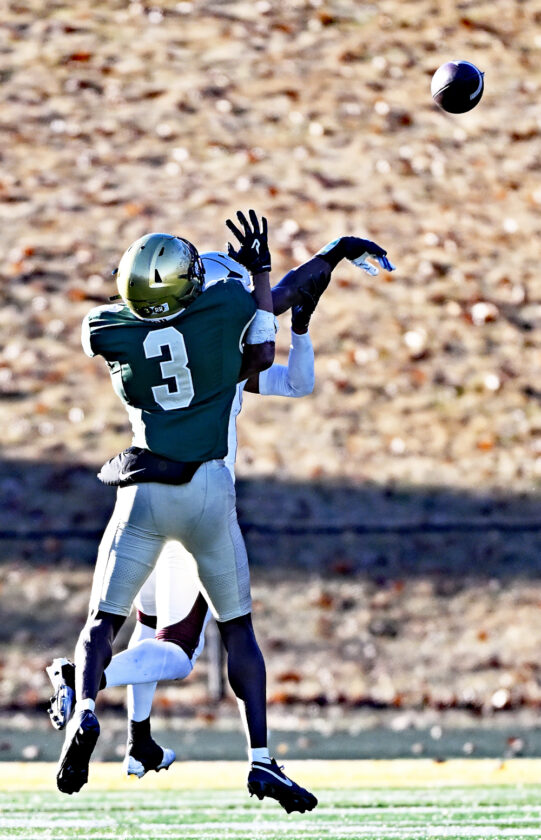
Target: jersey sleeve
295, 380
86, 333
99, 335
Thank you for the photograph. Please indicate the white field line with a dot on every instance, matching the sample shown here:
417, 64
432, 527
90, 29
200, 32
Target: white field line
34, 821
387, 817
189, 808
301, 830
337, 834
264, 816
361, 830
284, 827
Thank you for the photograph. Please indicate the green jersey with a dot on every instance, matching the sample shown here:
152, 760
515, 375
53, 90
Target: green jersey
176, 377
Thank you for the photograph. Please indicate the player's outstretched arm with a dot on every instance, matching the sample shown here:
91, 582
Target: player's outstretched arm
357, 251
259, 345
314, 275
253, 253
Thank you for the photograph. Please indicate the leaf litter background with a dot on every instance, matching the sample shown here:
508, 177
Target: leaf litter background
121, 118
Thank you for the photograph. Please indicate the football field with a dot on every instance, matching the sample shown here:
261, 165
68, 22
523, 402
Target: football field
388, 800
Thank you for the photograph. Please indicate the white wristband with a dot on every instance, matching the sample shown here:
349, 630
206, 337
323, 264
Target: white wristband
262, 328
300, 340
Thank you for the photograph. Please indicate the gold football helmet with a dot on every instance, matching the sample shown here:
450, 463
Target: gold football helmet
159, 275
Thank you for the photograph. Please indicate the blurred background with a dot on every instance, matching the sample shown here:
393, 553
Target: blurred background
392, 518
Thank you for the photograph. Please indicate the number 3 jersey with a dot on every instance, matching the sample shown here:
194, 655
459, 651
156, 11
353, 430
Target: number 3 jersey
178, 377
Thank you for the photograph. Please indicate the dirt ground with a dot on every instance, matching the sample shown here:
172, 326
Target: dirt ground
124, 118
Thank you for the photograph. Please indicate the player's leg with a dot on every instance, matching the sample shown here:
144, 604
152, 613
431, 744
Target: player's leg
166, 652
172, 590
220, 553
127, 554
183, 612
219, 549
248, 679
142, 752
182, 616
140, 668
141, 695
61, 672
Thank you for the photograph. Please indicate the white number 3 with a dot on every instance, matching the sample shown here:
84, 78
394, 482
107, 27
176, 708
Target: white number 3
174, 368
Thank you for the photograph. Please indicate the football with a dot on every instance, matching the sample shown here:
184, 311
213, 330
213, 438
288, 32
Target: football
457, 86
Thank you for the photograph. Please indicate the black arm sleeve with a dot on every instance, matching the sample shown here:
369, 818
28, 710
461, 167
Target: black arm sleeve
312, 276
349, 248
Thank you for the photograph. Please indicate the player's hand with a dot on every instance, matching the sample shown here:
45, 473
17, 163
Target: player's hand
355, 247
357, 251
362, 262
253, 251
301, 314
360, 250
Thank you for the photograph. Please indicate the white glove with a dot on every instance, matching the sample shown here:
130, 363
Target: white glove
362, 262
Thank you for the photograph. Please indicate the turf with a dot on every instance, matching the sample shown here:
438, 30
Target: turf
172, 809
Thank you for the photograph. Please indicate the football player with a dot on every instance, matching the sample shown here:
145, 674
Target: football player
171, 612
175, 357
308, 281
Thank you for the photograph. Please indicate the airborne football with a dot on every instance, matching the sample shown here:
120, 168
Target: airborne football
457, 86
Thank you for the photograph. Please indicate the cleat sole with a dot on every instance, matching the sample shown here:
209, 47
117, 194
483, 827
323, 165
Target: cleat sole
73, 768
61, 674
61, 707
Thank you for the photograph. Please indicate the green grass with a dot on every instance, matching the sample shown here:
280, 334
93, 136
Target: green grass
477, 813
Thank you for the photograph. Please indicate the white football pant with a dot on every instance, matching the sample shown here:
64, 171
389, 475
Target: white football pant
202, 516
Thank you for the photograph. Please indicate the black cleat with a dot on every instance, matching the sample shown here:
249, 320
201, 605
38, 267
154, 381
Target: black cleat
146, 755
81, 735
268, 780
61, 672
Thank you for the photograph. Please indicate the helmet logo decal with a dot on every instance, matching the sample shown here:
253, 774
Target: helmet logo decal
156, 309
157, 278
